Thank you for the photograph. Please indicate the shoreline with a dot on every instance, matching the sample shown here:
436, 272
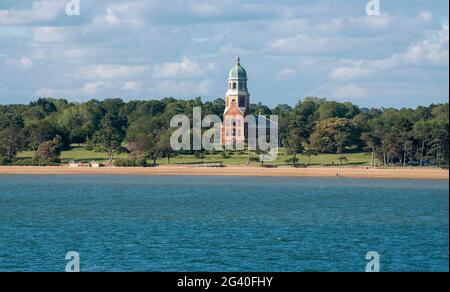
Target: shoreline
345, 172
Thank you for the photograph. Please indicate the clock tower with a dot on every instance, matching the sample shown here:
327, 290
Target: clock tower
234, 129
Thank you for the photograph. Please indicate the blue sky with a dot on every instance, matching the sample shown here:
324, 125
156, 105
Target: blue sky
184, 48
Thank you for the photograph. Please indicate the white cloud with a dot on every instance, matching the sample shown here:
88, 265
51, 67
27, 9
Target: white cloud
349, 91
41, 11
184, 88
92, 88
2, 89
87, 89
370, 23
45, 92
348, 73
111, 18
433, 49
122, 14
426, 16
204, 9
112, 71
184, 69
58, 92
132, 86
23, 63
299, 43
48, 34
286, 73
120, 46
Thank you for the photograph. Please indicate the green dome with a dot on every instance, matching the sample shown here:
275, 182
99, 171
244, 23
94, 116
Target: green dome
238, 72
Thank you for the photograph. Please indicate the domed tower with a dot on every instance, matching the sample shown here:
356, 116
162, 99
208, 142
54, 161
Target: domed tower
237, 88
234, 130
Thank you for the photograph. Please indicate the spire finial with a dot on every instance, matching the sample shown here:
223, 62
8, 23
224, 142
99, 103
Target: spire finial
238, 60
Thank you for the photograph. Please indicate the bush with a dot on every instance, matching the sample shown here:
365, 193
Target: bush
89, 148
130, 162
4, 161
49, 151
34, 162
48, 162
199, 155
291, 160
25, 162
270, 166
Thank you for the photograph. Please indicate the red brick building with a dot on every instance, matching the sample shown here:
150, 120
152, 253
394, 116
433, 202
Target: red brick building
234, 129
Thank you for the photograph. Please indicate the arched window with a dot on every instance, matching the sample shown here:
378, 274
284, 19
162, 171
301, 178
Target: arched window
234, 85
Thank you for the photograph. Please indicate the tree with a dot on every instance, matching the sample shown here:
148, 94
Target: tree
50, 150
294, 143
109, 136
372, 142
423, 134
11, 136
46, 104
334, 109
139, 145
164, 145
154, 152
405, 127
39, 132
260, 109
310, 152
149, 148
342, 140
392, 136
333, 135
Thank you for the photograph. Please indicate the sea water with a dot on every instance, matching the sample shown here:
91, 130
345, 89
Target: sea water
183, 223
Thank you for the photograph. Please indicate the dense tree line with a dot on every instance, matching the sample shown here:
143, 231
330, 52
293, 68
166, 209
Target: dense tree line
394, 137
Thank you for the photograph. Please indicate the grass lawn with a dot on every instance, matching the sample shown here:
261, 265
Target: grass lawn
354, 159
81, 154
76, 154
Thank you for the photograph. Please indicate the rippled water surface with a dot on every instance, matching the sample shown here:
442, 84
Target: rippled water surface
141, 223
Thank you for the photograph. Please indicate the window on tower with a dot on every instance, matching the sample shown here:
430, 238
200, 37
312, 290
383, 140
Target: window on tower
241, 101
234, 85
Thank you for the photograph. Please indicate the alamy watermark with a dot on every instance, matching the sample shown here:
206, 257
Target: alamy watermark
73, 262
373, 8
262, 134
73, 8
373, 266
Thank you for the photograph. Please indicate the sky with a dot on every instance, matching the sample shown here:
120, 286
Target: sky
151, 49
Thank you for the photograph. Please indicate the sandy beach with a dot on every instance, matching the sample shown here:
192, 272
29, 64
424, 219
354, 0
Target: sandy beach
353, 172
